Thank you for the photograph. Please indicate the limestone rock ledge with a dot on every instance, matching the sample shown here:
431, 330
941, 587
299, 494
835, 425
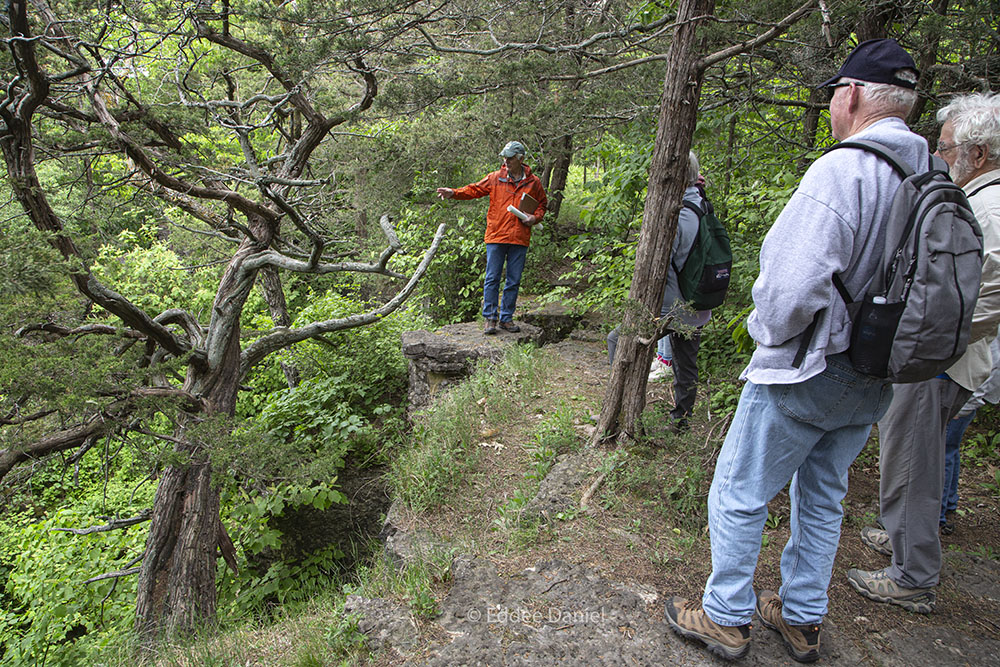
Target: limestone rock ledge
445, 357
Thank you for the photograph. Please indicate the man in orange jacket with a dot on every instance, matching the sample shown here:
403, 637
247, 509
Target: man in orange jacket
507, 235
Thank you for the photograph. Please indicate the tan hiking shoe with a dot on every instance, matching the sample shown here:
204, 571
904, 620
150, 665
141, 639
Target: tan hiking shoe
876, 539
491, 328
879, 587
688, 619
802, 641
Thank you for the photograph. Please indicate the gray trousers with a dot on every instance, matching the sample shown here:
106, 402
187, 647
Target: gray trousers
911, 464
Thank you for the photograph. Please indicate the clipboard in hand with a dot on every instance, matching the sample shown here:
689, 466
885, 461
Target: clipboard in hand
526, 207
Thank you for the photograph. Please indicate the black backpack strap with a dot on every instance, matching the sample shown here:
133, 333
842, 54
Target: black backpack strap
690, 205
981, 187
807, 335
697, 211
844, 294
892, 157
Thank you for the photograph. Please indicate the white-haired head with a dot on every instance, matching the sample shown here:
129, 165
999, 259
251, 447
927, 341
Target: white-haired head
975, 121
693, 168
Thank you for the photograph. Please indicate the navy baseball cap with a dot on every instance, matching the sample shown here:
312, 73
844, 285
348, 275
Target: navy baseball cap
878, 61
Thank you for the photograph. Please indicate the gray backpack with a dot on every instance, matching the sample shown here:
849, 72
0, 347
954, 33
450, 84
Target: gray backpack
915, 320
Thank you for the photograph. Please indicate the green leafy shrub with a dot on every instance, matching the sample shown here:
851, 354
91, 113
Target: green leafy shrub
52, 616
451, 290
279, 580
150, 273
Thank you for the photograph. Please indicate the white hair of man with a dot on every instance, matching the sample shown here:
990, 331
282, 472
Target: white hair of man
693, 168
887, 98
975, 120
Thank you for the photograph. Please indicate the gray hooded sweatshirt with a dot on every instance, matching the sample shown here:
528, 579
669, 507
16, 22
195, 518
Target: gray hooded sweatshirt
832, 224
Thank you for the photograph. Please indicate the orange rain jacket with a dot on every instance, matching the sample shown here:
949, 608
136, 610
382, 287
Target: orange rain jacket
502, 226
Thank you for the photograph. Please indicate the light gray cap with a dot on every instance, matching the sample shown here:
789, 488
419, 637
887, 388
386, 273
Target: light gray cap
513, 148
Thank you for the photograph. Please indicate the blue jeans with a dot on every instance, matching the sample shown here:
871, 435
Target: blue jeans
807, 433
663, 348
953, 438
496, 255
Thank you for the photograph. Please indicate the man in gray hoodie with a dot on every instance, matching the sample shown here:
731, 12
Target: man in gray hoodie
806, 419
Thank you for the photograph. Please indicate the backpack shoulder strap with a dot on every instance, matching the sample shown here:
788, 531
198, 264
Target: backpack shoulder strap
983, 187
892, 157
694, 207
807, 335
691, 206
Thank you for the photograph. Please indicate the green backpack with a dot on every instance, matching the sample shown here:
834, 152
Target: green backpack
704, 278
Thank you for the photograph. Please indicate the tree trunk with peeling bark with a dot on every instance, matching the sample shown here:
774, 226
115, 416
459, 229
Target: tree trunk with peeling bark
625, 398
176, 589
274, 296
563, 151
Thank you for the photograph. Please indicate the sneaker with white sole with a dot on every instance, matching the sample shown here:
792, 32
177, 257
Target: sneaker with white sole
688, 619
876, 539
879, 587
801, 641
661, 372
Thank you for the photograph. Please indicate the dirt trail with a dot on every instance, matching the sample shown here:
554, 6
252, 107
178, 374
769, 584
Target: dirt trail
590, 588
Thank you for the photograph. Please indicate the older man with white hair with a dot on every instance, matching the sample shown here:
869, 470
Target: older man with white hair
805, 412
912, 433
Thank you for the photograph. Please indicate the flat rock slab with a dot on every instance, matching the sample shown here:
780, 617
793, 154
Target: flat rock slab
558, 613
460, 343
555, 320
935, 647
445, 357
389, 626
559, 490
972, 575
406, 544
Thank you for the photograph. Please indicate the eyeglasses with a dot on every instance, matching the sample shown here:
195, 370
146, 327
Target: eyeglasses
943, 148
831, 89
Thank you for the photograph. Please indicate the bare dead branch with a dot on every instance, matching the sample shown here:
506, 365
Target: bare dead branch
65, 332
113, 575
115, 524
281, 338
777, 29
662, 25
16, 421
195, 332
191, 403
282, 261
59, 441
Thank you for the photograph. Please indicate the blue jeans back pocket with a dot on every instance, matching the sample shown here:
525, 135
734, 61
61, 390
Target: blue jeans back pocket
839, 396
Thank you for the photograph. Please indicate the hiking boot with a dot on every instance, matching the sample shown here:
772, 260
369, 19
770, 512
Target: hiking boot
877, 539
510, 326
879, 587
948, 525
491, 328
802, 641
688, 619
678, 426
